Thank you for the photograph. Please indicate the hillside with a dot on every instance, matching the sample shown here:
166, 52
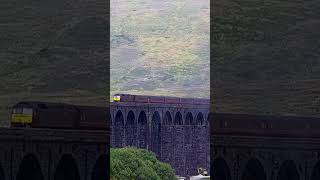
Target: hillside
266, 57
52, 51
160, 47
56, 51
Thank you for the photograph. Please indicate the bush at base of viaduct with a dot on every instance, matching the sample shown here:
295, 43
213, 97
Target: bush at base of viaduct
132, 163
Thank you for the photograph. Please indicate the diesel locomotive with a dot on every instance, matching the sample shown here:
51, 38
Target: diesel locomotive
59, 116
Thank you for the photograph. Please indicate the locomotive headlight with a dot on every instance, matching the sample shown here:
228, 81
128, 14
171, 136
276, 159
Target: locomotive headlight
116, 98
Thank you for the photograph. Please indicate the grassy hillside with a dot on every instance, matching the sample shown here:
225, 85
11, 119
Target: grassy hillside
56, 51
266, 56
52, 51
160, 47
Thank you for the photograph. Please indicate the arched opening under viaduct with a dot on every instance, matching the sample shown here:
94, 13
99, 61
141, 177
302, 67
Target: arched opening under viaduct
178, 119
142, 130
155, 134
67, 169
288, 171
189, 119
118, 126
167, 148
209, 120
29, 169
178, 142
190, 156
200, 119
316, 172
167, 120
200, 141
253, 171
219, 170
101, 170
131, 129
2, 177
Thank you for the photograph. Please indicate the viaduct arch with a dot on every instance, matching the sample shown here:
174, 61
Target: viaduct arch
53, 154
253, 170
100, 169
67, 169
177, 134
29, 168
250, 147
316, 171
1, 173
220, 169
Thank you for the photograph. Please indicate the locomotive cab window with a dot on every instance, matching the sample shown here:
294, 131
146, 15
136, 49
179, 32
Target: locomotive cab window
17, 110
22, 115
27, 111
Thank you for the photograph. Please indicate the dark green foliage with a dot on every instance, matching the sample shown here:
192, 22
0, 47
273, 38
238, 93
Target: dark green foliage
138, 164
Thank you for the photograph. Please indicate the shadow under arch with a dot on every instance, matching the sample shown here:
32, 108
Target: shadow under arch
29, 169
316, 172
199, 119
189, 145
155, 134
253, 170
67, 169
143, 132
2, 177
118, 128
189, 119
167, 142
167, 120
288, 171
101, 170
178, 119
219, 170
209, 121
130, 129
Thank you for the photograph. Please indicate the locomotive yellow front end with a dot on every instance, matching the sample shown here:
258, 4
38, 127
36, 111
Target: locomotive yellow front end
116, 98
21, 116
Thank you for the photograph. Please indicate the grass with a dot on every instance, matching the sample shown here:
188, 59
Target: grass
266, 57
52, 51
167, 36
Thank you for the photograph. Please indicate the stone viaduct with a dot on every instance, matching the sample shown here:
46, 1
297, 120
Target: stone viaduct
51, 154
177, 133
250, 147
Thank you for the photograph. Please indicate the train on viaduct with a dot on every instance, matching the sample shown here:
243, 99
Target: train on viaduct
255, 147
241, 146
180, 131
55, 141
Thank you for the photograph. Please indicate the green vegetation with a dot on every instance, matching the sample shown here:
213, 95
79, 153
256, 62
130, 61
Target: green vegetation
140, 164
52, 51
57, 51
266, 56
167, 41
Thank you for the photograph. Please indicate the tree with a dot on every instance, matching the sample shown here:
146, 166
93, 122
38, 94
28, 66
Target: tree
138, 164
